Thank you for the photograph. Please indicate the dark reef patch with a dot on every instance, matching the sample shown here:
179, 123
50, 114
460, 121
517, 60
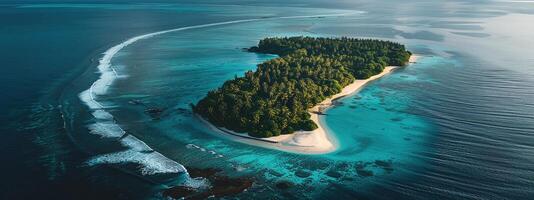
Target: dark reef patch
302, 173
221, 186
154, 112
274, 173
333, 174
284, 185
179, 192
386, 165
207, 172
316, 165
396, 119
361, 169
364, 172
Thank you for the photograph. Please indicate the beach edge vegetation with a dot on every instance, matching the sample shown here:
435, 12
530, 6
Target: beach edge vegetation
275, 99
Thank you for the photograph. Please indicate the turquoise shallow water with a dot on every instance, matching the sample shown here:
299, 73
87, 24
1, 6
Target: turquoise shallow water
174, 70
377, 123
455, 125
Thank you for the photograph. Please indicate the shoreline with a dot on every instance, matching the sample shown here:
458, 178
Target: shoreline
318, 141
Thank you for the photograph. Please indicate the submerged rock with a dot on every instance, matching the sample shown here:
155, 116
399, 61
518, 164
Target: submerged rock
179, 192
206, 173
154, 112
226, 186
284, 185
342, 166
386, 165
275, 173
302, 173
364, 173
333, 174
361, 171
382, 163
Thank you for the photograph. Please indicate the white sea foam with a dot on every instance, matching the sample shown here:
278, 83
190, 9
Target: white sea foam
240, 168
198, 182
107, 129
85, 96
105, 126
190, 146
151, 163
135, 143
193, 146
102, 115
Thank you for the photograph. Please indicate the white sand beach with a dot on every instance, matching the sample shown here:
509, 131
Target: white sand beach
318, 141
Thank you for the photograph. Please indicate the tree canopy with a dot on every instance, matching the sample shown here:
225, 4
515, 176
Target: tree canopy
275, 98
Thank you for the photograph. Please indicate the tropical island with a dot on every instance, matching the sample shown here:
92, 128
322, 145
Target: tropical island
283, 93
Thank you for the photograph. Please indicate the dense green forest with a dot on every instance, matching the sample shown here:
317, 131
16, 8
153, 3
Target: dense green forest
275, 98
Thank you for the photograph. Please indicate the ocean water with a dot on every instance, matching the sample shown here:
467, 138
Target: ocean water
457, 124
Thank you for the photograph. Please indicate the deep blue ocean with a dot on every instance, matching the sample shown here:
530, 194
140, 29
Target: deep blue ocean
78, 77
